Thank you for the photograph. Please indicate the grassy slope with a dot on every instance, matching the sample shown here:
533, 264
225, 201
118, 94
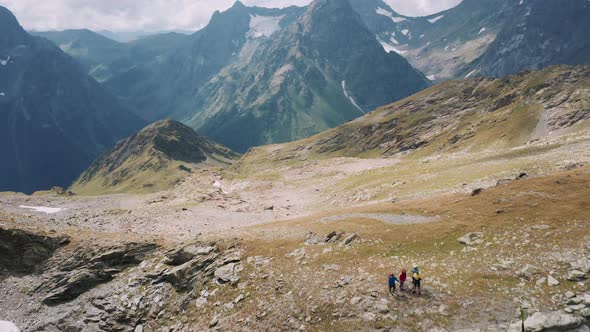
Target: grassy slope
463, 282
155, 159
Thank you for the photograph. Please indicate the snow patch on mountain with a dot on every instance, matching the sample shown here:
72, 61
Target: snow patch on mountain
47, 210
264, 26
388, 47
436, 19
350, 98
470, 73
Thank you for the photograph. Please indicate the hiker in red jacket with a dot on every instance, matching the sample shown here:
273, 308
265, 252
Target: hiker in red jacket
402, 280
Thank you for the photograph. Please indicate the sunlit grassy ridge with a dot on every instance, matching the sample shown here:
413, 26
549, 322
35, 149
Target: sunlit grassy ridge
155, 159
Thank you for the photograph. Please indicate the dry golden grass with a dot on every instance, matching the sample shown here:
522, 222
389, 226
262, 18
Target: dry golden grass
561, 201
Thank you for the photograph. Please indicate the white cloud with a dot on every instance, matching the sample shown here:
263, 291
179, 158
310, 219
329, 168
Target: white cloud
152, 15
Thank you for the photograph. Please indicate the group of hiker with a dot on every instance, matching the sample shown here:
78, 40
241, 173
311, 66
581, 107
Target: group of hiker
416, 280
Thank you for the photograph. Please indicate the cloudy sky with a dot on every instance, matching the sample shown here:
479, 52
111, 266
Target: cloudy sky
157, 15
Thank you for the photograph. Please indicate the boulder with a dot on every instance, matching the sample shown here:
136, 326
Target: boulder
576, 275
582, 264
585, 313
333, 237
348, 240
470, 239
552, 321
552, 281
228, 273
312, 238
369, 317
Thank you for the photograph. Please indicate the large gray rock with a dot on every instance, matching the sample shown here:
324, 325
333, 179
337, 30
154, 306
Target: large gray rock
581, 264
552, 281
333, 236
228, 273
79, 282
348, 240
470, 239
576, 275
312, 238
200, 269
188, 252
554, 321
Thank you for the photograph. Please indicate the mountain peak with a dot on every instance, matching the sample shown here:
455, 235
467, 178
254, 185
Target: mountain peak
12, 32
155, 158
7, 17
238, 4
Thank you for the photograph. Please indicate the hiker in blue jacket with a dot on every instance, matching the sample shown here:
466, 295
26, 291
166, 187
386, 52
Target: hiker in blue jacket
392, 280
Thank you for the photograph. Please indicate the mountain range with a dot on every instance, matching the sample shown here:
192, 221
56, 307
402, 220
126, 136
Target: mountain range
484, 37
274, 74
54, 118
256, 76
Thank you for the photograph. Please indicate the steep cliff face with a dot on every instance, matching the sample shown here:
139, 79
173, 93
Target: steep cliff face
322, 70
539, 34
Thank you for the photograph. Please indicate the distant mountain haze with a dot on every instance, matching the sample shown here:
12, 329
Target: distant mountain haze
276, 74
54, 118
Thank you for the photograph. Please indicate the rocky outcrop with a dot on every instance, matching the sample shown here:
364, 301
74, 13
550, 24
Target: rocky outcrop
91, 267
130, 286
24, 251
197, 263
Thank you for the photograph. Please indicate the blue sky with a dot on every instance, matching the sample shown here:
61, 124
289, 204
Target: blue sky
158, 15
